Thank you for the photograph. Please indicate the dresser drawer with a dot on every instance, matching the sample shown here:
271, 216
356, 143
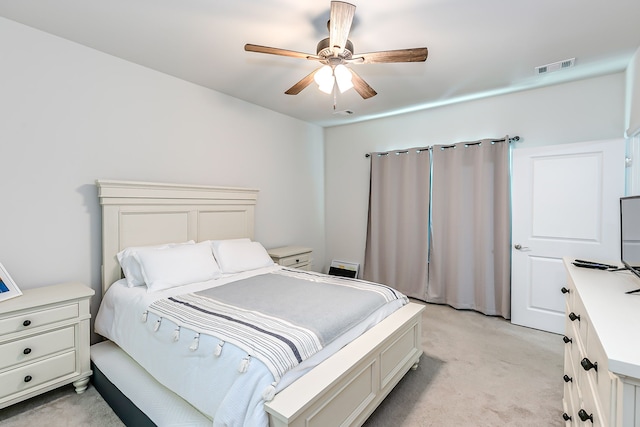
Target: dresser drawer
31, 320
36, 346
581, 320
35, 374
571, 398
568, 405
291, 261
601, 378
569, 291
592, 410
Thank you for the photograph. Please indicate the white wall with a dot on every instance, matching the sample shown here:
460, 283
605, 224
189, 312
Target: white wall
585, 110
632, 114
70, 115
632, 124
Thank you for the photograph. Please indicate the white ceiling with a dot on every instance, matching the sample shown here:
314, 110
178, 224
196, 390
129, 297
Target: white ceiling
476, 47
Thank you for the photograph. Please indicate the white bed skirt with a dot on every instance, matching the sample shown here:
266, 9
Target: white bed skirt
162, 406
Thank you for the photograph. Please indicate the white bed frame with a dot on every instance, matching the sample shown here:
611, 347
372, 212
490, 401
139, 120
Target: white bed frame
344, 389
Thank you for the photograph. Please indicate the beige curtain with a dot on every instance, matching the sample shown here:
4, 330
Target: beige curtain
397, 232
470, 246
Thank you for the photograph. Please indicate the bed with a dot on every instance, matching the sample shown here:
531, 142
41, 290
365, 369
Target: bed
341, 389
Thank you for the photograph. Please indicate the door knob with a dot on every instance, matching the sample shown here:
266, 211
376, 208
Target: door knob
519, 247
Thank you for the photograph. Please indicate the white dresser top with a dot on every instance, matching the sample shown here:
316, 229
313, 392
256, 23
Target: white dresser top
614, 315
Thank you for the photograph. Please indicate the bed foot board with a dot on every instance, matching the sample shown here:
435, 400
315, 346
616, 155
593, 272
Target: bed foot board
344, 391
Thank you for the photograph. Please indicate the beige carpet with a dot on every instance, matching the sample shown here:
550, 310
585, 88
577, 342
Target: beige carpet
476, 371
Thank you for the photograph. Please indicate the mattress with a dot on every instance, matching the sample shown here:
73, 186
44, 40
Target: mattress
212, 385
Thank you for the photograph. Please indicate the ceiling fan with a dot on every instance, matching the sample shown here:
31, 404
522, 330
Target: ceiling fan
336, 51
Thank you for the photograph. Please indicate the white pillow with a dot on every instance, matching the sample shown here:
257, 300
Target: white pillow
177, 266
215, 244
234, 256
131, 267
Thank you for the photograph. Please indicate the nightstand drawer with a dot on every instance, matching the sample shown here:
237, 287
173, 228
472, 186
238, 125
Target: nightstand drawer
35, 374
291, 261
36, 346
26, 321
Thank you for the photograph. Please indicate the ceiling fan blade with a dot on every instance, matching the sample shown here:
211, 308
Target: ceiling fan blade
276, 51
361, 86
306, 81
418, 54
340, 22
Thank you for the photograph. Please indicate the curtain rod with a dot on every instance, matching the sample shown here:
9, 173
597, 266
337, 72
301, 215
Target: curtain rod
512, 139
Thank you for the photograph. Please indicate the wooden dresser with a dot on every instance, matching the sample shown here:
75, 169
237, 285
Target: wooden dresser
602, 348
292, 256
44, 341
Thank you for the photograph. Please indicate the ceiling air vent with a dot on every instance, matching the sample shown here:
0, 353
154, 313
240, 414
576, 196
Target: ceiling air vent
555, 66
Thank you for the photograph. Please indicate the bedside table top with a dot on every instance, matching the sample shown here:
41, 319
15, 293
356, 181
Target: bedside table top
45, 295
286, 251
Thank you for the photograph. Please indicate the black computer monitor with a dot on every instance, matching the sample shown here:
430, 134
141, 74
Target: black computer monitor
630, 233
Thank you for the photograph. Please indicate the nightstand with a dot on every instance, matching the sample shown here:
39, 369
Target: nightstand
44, 341
292, 256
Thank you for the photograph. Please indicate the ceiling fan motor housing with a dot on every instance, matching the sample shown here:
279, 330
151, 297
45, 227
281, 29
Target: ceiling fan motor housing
324, 49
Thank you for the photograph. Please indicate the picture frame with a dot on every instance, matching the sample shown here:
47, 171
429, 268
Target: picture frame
8, 288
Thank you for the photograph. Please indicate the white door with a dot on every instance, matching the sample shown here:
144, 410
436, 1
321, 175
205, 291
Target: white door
565, 202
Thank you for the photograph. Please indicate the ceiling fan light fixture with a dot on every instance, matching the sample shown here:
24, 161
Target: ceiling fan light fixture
325, 80
343, 78
337, 50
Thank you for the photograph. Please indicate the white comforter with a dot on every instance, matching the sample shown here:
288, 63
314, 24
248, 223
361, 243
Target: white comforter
211, 384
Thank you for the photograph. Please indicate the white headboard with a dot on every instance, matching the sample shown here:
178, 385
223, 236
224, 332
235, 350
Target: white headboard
145, 213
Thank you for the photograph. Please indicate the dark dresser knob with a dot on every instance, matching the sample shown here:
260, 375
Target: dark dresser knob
584, 416
574, 316
27, 378
566, 339
586, 365
26, 323
565, 290
567, 378
26, 350
566, 417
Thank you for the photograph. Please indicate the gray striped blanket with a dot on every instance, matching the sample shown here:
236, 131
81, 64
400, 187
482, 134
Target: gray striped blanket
281, 318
